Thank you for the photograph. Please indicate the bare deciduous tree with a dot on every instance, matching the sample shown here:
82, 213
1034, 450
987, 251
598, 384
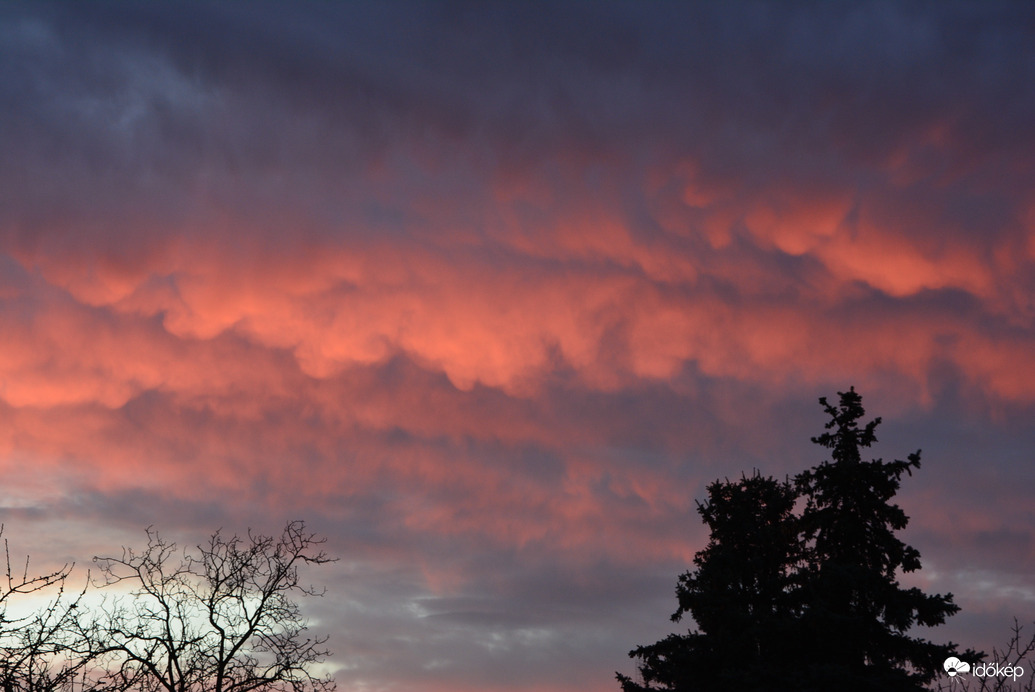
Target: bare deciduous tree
220, 618
45, 650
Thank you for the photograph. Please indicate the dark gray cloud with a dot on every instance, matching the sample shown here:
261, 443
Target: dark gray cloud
488, 292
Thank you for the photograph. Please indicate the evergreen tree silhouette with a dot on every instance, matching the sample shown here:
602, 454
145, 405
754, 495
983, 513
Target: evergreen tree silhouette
804, 600
855, 614
740, 596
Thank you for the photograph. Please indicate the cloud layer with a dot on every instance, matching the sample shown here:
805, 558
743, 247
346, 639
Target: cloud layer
488, 293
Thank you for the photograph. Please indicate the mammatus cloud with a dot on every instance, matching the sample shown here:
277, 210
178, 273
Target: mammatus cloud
491, 293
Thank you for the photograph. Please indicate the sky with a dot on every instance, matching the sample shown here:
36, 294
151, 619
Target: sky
487, 293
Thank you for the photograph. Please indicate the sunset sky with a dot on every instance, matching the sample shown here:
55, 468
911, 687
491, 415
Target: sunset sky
488, 293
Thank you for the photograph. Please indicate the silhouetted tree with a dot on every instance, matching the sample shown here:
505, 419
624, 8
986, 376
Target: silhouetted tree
44, 650
804, 601
221, 618
856, 615
740, 596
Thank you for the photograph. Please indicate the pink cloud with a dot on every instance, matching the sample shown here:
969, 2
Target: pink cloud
492, 309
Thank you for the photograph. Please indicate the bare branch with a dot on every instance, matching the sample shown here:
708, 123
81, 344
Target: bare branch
220, 617
45, 650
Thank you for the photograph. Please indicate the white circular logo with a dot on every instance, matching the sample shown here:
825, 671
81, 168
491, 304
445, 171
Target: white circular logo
953, 665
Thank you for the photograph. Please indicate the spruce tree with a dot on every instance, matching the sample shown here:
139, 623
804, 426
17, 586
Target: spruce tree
855, 614
798, 586
740, 596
